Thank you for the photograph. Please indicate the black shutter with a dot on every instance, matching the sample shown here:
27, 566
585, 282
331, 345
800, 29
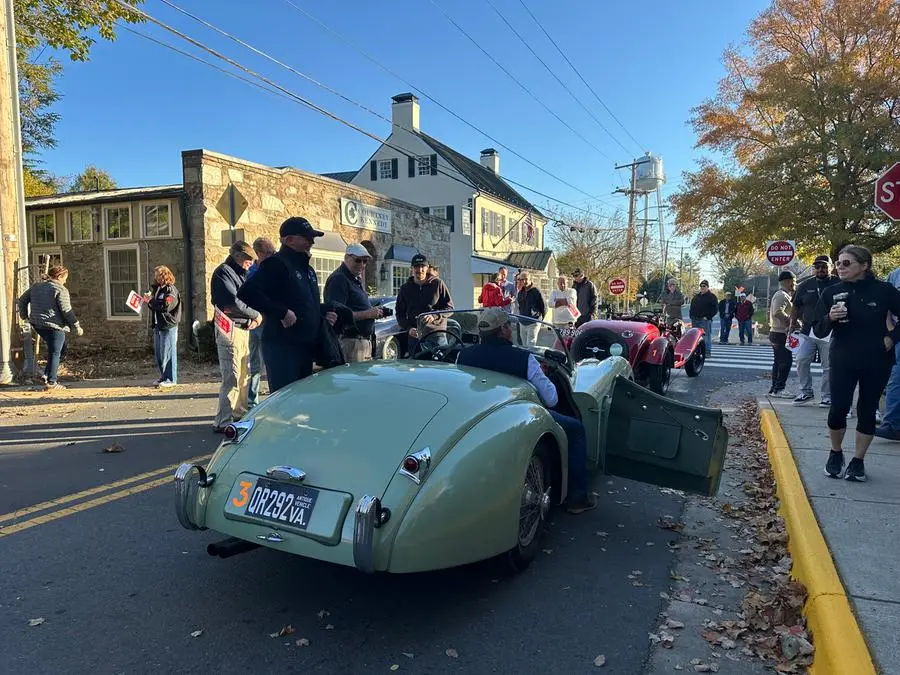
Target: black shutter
395, 168
412, 167
434, 165
426, 209
450, 216
373, 170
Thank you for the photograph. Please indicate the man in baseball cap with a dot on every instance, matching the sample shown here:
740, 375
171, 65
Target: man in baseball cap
286, 290
497, 352
347, 286
419, 295
803, 315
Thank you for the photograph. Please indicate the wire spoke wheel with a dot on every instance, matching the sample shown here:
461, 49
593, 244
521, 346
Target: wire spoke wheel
535, 500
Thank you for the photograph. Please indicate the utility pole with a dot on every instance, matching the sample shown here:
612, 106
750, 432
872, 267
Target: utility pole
11, 196
629, 240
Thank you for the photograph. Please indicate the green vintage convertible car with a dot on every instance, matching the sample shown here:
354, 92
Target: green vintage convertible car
420, 464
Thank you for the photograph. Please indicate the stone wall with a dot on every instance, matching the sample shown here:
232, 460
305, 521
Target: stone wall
274, 194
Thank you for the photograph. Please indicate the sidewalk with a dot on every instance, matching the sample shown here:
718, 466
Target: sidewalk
860, 523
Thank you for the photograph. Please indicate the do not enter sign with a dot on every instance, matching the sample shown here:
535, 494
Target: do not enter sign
887, 192
780, 253
617, 286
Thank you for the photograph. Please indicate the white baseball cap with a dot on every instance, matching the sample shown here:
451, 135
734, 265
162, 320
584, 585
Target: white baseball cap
358, 250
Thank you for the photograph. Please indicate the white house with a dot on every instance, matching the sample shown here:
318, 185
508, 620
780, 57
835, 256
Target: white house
490, 223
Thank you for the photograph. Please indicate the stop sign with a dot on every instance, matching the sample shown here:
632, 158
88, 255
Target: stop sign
780, 253
887, 192
617, 286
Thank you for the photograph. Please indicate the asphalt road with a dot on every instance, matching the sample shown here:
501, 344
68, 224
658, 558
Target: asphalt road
121, 587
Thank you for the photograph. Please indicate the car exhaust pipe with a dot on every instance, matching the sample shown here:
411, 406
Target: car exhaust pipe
230, 547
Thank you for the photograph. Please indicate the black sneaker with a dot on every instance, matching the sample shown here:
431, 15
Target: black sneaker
835, 464
856, 471
803, 397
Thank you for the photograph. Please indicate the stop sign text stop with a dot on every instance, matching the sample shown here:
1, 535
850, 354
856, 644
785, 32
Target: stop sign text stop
887, 192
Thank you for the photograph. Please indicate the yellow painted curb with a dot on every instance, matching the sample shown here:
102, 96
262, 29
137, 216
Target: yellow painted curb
840, 646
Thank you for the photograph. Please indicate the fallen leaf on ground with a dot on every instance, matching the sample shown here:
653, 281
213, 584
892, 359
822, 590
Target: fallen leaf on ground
600, 661
407, 654
672, 623
323, 613
329, 627
452, 653
36, 622
395, 667
287, 630
197, 633
669, 524
302, 642
115, 447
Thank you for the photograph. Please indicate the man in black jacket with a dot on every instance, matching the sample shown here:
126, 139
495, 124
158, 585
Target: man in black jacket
587, 297
531, 304
345, 286
704, 306
286, 290
803, 315
726, 314
421, 294
233, 346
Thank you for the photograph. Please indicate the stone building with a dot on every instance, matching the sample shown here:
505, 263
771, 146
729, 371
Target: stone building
111, 240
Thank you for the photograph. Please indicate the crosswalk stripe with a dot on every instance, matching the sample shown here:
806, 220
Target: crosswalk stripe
748, 357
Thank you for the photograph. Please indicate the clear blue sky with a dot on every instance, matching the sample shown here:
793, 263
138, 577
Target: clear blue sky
135, 106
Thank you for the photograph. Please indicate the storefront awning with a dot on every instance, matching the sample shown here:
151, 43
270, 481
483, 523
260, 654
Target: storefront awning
330, 241
400, 252
486, 265
530, 260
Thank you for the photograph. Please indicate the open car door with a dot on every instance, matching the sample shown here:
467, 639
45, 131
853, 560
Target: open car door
653, 439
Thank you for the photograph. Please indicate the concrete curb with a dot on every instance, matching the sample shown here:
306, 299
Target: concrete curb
840, 646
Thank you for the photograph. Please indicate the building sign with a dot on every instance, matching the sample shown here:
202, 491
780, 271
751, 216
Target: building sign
466, 219
356, 214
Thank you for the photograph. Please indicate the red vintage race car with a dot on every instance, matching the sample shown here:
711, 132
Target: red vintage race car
650, 343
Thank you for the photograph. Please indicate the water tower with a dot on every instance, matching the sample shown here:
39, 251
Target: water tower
649, 174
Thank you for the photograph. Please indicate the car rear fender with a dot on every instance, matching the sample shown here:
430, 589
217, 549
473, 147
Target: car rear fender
657, 351
468, 507
687, 345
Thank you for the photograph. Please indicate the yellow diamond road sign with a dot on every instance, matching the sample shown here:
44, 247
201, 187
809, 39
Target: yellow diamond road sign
231, 205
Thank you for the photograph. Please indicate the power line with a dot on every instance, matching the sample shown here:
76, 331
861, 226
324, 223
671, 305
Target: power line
549, 70
317, 108
572, 66
516, 80
350, 43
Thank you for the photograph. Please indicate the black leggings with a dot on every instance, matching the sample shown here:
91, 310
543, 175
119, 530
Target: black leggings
872, 378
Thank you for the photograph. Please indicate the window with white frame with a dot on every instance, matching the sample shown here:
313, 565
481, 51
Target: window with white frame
117, 221
438, 211
324, 266
121, 279
385, 169
424, 165
157, 220
44, 259
399, 276
80, 224
44, 227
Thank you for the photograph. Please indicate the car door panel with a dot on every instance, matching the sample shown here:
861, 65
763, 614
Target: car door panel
653, 439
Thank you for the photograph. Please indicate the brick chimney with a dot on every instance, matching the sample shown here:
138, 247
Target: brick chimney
405, 111
490, 159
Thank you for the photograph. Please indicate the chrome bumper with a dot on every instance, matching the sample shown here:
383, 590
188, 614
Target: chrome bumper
366, 518
189, 478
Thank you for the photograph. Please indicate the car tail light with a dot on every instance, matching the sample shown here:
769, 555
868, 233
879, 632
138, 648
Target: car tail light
237, 431
231, 433
416, 465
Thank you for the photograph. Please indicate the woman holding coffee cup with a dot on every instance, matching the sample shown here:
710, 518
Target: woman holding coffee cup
862, 352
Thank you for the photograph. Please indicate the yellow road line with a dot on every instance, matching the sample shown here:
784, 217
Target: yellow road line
840, 645
83, 506
43, 506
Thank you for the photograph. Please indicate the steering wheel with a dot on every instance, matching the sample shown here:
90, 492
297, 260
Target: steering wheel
647, 312
430, 348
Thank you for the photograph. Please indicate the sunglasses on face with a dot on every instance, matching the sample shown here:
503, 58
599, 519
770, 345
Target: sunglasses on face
845, 263
821, 266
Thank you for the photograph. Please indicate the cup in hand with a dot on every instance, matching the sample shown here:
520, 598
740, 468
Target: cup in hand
840, 301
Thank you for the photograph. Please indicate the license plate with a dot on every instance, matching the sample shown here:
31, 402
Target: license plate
569, 332
282, 503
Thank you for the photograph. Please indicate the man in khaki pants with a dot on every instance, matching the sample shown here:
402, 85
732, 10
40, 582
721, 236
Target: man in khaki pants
345, 286
234, 350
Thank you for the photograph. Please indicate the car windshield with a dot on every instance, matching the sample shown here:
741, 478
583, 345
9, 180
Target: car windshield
531, 334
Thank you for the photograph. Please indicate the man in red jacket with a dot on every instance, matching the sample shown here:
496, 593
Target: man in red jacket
744, 315
492, 294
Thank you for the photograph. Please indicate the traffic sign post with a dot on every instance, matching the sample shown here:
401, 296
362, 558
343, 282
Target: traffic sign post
887, 192
780, 253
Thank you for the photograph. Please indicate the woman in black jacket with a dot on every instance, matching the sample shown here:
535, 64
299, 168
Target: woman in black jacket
855, 313
165, 307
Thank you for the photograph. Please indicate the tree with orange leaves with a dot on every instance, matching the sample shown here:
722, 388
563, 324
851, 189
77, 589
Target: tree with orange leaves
805, 120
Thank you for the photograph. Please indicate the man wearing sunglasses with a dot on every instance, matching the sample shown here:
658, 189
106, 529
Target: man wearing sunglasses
803, 315
346, 286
